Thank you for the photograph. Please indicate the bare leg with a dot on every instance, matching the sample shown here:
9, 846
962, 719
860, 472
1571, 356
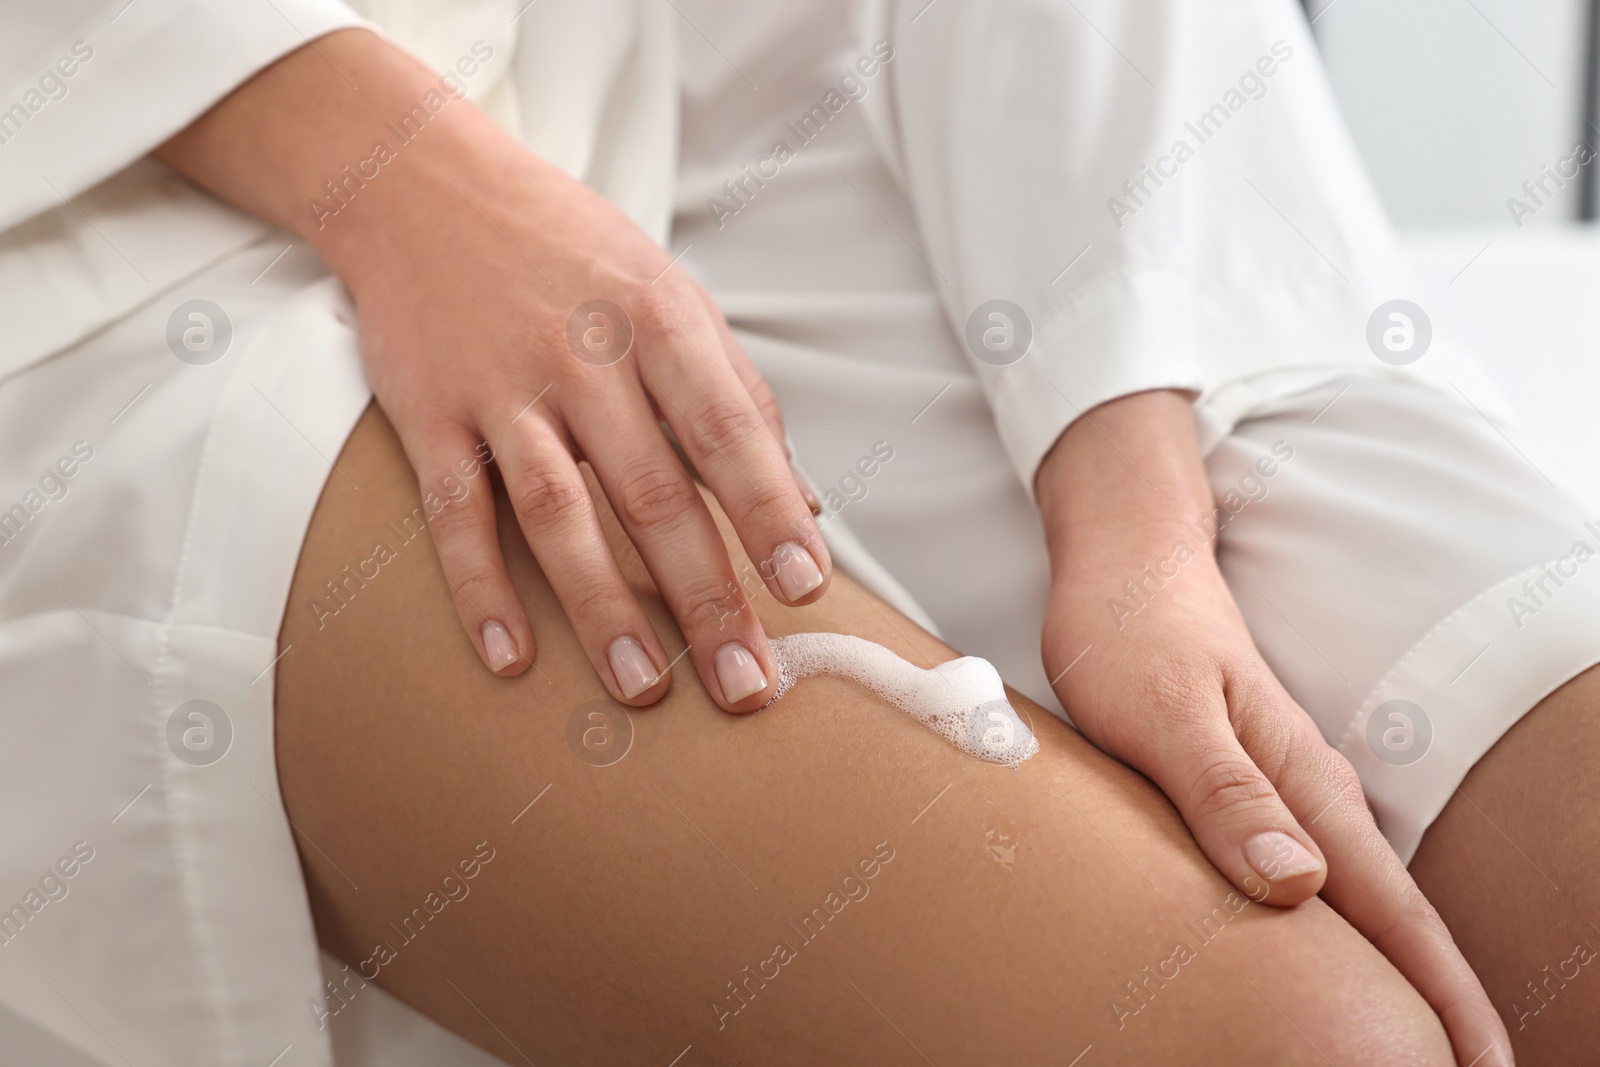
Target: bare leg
1011, 916
1513, 865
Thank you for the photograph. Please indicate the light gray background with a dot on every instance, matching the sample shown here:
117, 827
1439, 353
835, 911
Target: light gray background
1455, 103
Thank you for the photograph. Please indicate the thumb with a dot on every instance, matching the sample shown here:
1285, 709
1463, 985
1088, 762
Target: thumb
1235, 812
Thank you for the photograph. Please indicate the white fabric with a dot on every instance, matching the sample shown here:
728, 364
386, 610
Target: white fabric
77, 250
159, 576
1267, 250
1387, 561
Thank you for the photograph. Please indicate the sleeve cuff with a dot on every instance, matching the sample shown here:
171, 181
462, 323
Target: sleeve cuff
1121, 333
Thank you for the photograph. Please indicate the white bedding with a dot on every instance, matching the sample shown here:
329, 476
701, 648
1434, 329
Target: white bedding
1525, 301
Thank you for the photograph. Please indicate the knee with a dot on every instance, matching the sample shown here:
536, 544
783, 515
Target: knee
1325, 994
1364, 1019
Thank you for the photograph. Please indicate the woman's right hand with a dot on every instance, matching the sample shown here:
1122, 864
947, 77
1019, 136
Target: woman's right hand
500, 301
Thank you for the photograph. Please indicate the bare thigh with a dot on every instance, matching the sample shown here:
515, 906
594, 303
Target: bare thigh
824, 881
1513, 865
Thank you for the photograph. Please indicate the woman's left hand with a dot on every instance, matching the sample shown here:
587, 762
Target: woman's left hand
1171, 683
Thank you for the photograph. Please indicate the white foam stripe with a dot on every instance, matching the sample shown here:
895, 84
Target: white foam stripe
963, 701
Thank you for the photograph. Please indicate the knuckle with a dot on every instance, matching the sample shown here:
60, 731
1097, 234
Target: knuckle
1228, 785
724, 422
659, 309
596, 601
544, 500
1342, 779
712, 608
766, 404
452, 521
770, 501
654, 495
1272, 743
477, 587
1408, 914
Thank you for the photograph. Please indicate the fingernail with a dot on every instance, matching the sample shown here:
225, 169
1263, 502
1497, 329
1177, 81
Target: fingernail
631, 666
806, 492
497, 647
798, 573
1276, 856
738, 673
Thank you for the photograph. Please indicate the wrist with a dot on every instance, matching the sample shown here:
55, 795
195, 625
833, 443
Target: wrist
348, 142
1124, 480
372, 216
397, 166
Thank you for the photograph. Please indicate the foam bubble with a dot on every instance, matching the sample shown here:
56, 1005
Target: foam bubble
962, 701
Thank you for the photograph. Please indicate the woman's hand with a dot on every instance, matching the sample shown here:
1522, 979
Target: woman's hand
1177, 690
502, 303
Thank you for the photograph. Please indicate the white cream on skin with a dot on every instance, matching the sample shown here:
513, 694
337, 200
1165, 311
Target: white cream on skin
962, 701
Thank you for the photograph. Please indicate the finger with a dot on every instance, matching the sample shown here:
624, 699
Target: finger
724, 435
457, 506
663, 514
558, 518
1370, 887
766, 403
761, 393
1230, 805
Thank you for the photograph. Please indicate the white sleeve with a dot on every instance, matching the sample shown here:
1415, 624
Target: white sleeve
1017, 122
87, 87
1165, 188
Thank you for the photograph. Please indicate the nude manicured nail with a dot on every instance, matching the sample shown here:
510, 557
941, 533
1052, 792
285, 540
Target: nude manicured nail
739, 673
1276, 856
798, 573
631, 666
497, 647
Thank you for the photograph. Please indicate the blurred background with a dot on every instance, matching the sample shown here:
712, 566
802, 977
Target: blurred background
1454, 105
